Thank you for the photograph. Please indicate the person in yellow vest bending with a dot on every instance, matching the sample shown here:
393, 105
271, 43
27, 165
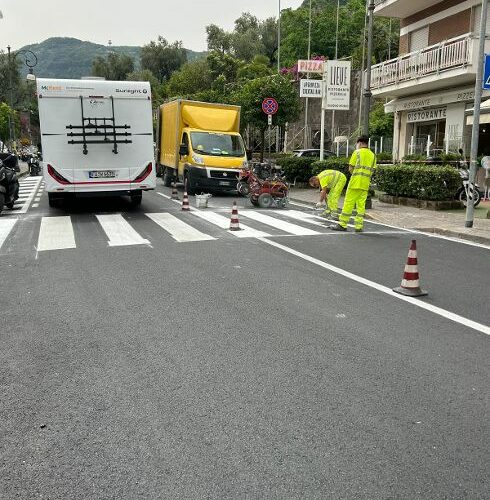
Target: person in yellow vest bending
361, 166
332, 183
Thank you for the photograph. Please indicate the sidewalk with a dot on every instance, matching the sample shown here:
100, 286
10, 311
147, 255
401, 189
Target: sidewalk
449, 223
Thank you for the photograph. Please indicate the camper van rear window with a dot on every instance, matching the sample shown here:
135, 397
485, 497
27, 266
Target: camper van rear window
103, 130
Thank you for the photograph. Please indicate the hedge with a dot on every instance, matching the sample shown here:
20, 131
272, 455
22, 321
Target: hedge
296, 168
332, 163
424, 182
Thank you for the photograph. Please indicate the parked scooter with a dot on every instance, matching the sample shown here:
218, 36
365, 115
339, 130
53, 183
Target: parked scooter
467, 191
34, 165
9, 184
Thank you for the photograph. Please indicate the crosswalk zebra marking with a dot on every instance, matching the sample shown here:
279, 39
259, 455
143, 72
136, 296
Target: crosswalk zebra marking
224, 223
27, 192
279, 224
6, 225
179, 230
300, 216
119, 231
56, 233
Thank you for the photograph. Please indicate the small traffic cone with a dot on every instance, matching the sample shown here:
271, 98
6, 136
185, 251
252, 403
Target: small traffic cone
410, 283
175, 194
234, 222
185, 201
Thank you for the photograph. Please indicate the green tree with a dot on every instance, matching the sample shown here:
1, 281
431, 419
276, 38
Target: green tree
191, 78
380, 123
218, 39
257, 68
113, 67
7, 114
223, 64
158, 91
250, 97
163, 58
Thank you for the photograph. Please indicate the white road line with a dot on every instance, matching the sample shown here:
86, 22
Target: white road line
28, 201
56, 233
224, 223
6, 225
169, 198
179, 230
279, 224
119, 231
414, 231
35, 205
301, 216
417, 302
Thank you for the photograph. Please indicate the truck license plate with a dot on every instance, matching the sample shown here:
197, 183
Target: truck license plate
102, 174
224, 183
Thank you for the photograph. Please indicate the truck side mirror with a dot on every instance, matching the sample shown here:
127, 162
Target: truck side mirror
183, 150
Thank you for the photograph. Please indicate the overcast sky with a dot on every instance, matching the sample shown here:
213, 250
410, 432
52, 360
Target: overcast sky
125, 22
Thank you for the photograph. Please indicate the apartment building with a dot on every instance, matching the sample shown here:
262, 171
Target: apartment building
430, 86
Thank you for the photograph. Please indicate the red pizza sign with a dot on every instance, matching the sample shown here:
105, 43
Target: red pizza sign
270, 106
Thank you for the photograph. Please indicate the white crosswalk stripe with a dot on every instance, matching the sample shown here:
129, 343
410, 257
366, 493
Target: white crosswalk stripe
6, 225
28, 187
119, 231
56, 233
224, 223
179, 230
279, 224
301, 216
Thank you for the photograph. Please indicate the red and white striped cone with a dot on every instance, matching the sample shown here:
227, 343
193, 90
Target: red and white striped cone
185, 201
175, 194
410, 283
234, 222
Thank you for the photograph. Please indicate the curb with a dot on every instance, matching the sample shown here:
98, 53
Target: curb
431, 230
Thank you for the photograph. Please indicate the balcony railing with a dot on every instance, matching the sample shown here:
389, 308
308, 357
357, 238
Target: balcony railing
444, 56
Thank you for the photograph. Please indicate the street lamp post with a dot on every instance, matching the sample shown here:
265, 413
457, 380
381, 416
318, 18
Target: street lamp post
30, 60
367, 88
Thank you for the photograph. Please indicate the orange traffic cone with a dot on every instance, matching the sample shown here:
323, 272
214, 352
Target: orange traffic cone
410, 283
175, 194
234, 222
185, 201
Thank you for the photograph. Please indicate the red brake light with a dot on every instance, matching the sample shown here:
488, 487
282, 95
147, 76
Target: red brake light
57, 176
146, 172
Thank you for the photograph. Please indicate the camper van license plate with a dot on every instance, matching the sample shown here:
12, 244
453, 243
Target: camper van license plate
102, 174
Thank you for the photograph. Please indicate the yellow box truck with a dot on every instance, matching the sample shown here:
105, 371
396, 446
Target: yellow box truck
199, 143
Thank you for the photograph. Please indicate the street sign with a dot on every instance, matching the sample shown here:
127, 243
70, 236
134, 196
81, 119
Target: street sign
310, 66
311, 88
486, 73
269, 119
337, 92
270, 106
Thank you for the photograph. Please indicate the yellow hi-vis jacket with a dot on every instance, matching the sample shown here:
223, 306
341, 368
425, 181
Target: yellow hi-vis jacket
364, 162
330, 178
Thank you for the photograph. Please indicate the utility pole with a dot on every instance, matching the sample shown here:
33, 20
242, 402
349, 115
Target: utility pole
11, 97
470, 207
367, 89
305, 141
336, 57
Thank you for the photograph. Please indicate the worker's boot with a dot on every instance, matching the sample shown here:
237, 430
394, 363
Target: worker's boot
337, 227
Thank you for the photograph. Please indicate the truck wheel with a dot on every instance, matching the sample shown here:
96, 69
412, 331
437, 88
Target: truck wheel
136, 199
187, 183
167, 178
54, 202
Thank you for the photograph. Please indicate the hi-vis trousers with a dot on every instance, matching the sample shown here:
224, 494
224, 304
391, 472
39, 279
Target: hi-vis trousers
334, 197
354, 198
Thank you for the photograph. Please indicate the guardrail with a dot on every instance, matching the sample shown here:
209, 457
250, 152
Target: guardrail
444, 56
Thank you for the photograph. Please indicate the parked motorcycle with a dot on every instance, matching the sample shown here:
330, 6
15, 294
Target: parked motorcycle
34, 165
467, 191
9, 184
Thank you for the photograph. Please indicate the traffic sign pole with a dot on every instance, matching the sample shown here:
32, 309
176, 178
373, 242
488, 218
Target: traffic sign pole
270, 107
470, 207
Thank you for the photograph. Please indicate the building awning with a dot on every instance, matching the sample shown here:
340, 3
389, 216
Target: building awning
484, 113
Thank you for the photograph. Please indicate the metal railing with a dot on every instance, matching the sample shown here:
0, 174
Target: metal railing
450, 54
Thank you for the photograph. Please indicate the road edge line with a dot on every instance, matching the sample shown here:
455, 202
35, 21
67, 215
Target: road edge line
381, 288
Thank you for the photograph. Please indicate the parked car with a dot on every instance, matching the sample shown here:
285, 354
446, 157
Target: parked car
312, 153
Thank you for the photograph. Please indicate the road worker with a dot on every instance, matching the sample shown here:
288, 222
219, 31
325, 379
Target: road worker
361, 166
332, 184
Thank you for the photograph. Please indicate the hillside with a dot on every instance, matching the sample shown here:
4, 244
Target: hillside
72, 58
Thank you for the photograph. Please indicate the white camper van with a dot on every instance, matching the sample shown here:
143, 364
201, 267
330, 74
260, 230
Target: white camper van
97, 138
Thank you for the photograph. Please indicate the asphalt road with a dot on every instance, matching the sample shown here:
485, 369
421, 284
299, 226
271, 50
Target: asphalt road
135, 363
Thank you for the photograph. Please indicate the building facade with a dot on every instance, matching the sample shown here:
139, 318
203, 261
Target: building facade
430, 85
